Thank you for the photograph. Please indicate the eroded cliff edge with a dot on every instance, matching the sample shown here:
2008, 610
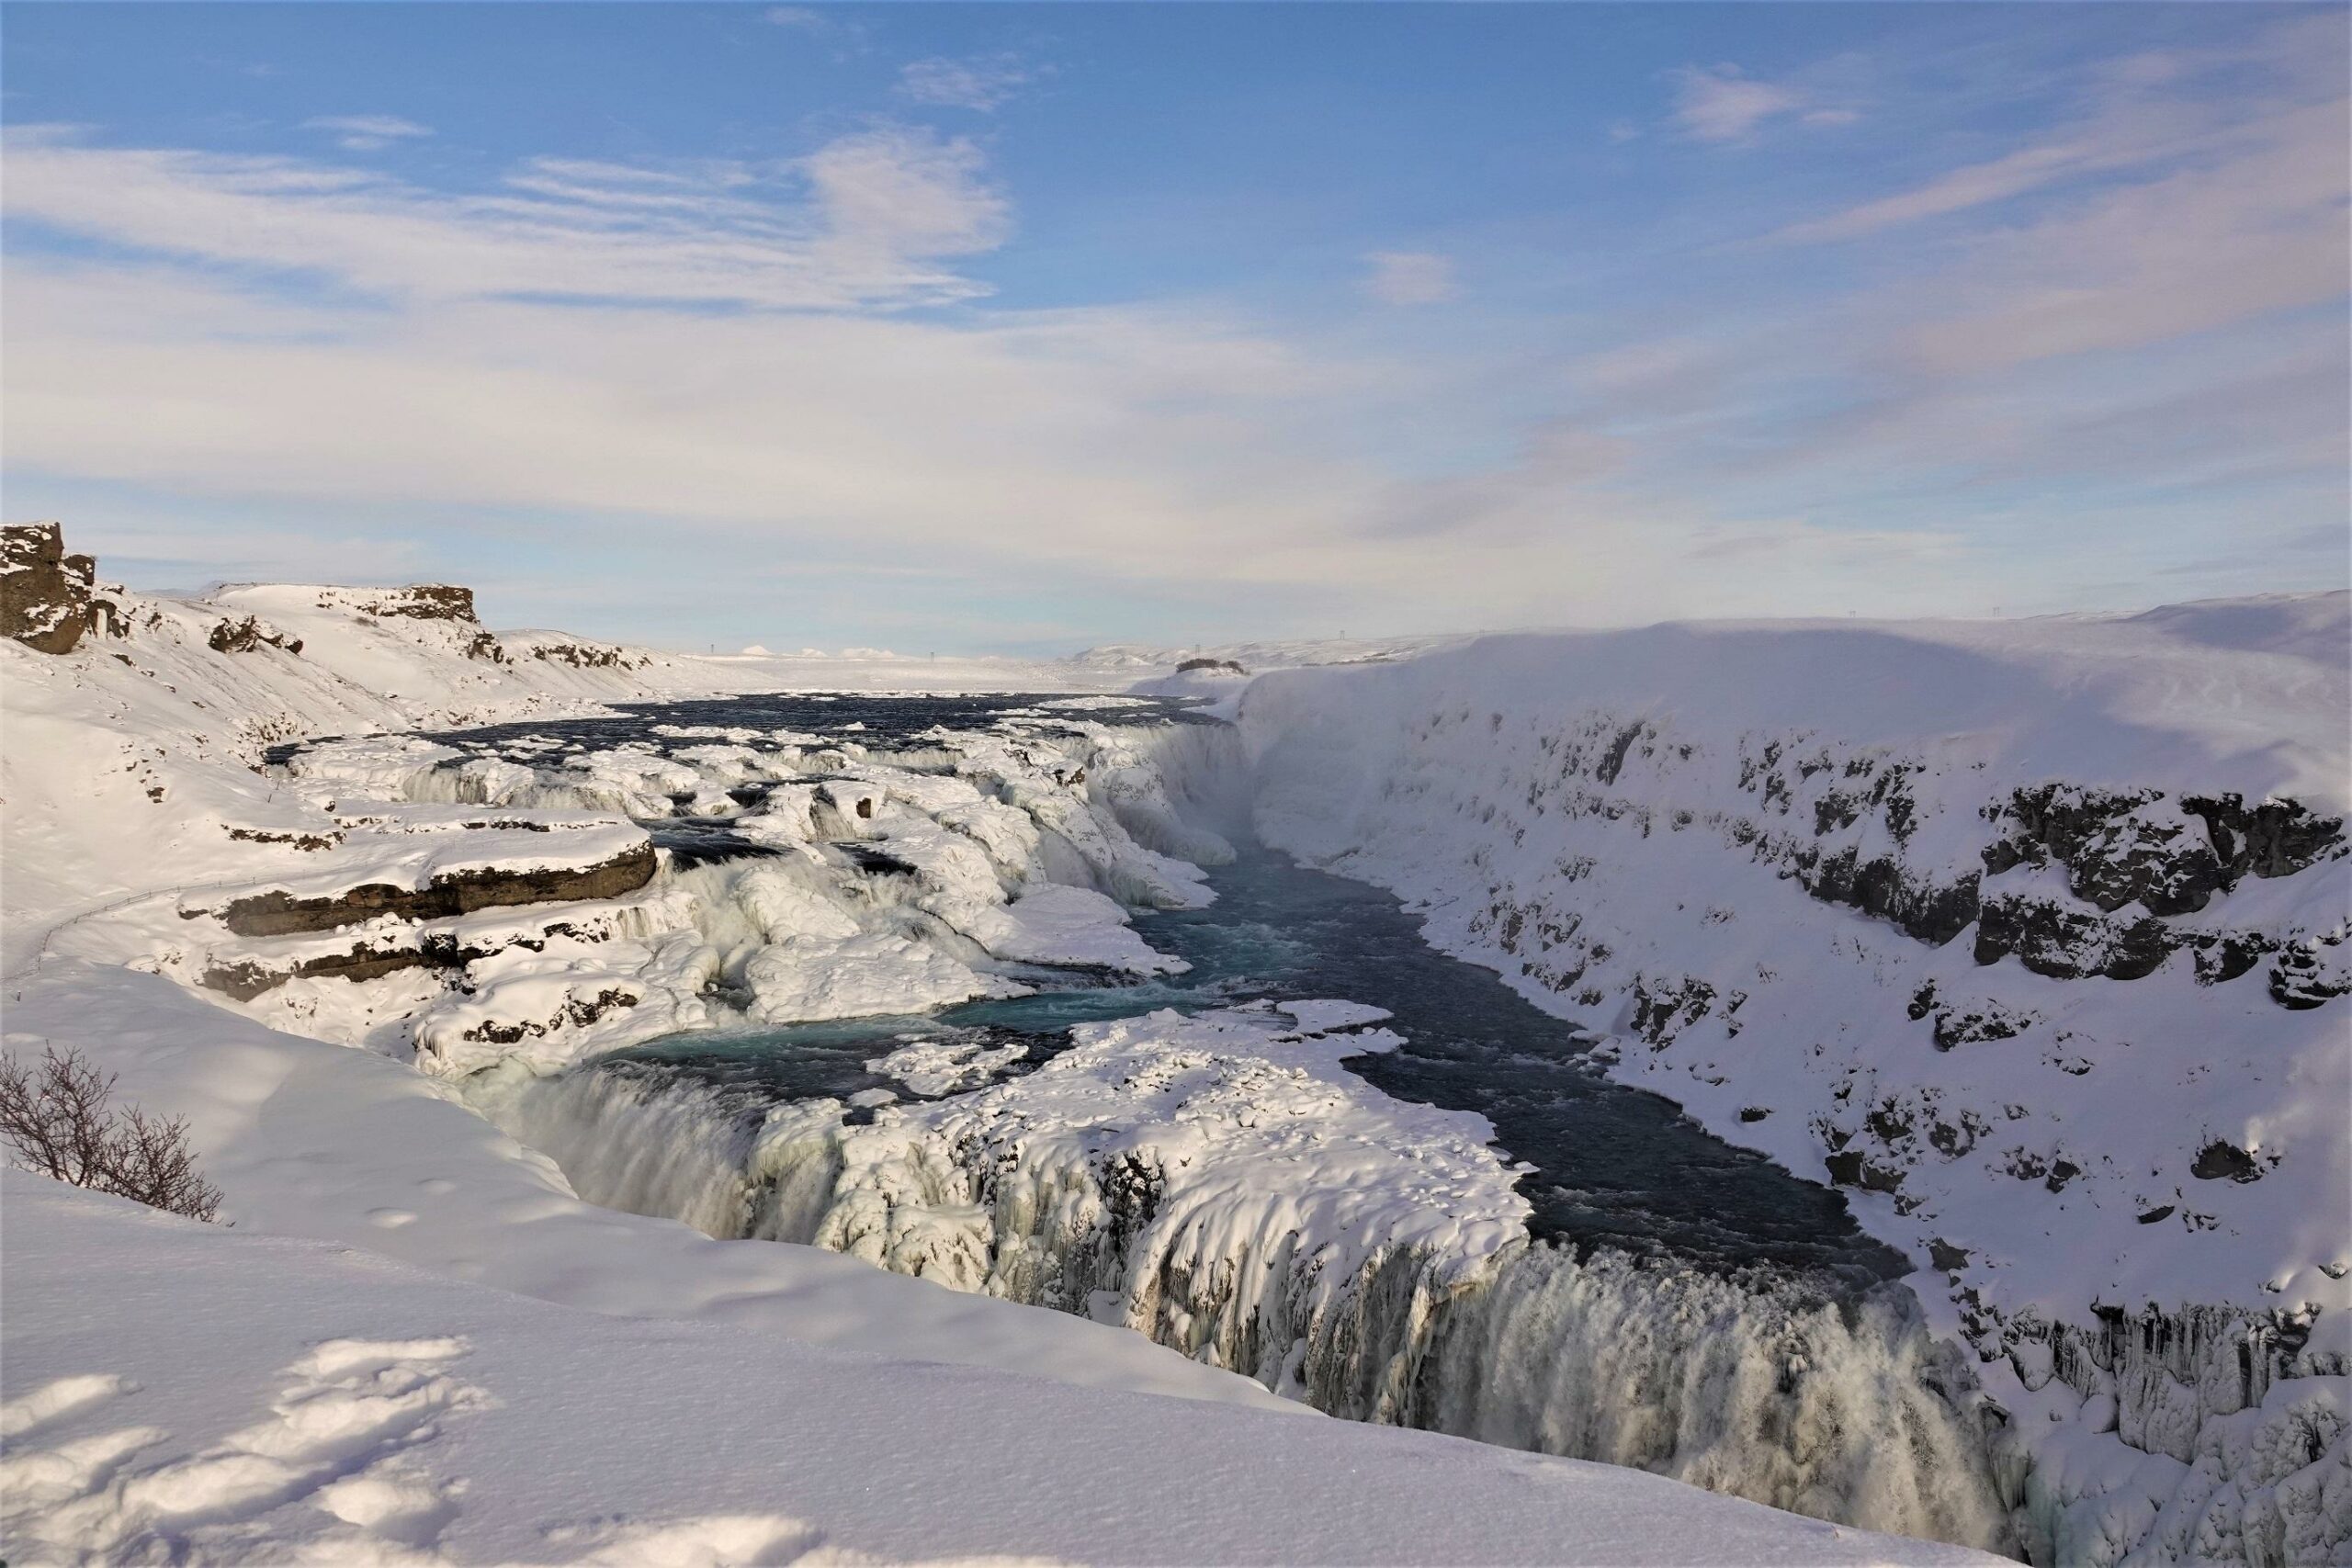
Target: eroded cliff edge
2030, 935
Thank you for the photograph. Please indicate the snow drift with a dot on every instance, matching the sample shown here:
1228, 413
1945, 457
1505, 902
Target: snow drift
334, 1406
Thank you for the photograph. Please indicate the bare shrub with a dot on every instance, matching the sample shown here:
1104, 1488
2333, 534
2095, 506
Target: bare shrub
59, 1117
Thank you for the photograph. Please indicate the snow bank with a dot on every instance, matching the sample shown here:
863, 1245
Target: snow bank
326, 1405
2032, 935
310, 1139
126, 769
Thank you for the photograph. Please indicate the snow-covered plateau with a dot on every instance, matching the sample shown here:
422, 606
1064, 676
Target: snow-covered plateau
2030, 937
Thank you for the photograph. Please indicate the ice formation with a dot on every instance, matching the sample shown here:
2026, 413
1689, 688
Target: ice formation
1225, 1185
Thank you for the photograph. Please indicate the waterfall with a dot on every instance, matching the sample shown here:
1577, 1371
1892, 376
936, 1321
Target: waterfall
1845, 1410
1761, 1386
642, 1143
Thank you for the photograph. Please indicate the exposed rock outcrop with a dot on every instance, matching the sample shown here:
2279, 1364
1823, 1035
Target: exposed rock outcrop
245, 979
279, 913
434, 602
2135, 861
46, 598
423, 601
585, 656
249, 636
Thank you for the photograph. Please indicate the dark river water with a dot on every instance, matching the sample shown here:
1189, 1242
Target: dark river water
1613, 1166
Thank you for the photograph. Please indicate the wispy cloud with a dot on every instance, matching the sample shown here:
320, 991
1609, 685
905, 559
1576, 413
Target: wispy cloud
367, 132
2123, 305
1409, 277
2256, 226
866, 219
2132, 113
1723, 103
835, 27
983, 83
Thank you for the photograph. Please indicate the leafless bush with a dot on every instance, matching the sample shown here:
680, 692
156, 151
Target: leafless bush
59, 1118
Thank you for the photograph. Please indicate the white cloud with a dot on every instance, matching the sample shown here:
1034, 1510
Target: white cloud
1409, 277
836, 26
367, 132
1109, 456
984, 82
867, 220
1720, 103
1121, 449
1035, 434
2211, 243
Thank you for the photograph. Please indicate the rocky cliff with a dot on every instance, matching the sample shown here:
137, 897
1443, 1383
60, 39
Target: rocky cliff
2030, 935
47, 598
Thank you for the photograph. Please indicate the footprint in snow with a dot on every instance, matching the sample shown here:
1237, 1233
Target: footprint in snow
734, 1541
328, 1471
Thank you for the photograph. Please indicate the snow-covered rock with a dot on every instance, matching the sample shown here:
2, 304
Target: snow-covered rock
46, 600
2031, 934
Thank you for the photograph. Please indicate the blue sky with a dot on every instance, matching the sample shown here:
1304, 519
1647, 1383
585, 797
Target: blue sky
1021, 327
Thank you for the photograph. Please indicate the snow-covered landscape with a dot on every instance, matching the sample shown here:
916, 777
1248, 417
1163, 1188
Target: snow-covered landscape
2034, 948
1307, 784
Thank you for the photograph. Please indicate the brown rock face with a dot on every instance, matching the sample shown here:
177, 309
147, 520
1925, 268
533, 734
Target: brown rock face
585, 656
250, 636
424, 602
278, 914
245, 980
44, 592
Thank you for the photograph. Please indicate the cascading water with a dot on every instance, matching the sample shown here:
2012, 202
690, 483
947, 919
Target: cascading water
1756, 1387
1756, 1384
642, 1143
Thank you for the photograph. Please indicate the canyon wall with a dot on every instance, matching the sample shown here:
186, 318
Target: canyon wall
2032, 936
